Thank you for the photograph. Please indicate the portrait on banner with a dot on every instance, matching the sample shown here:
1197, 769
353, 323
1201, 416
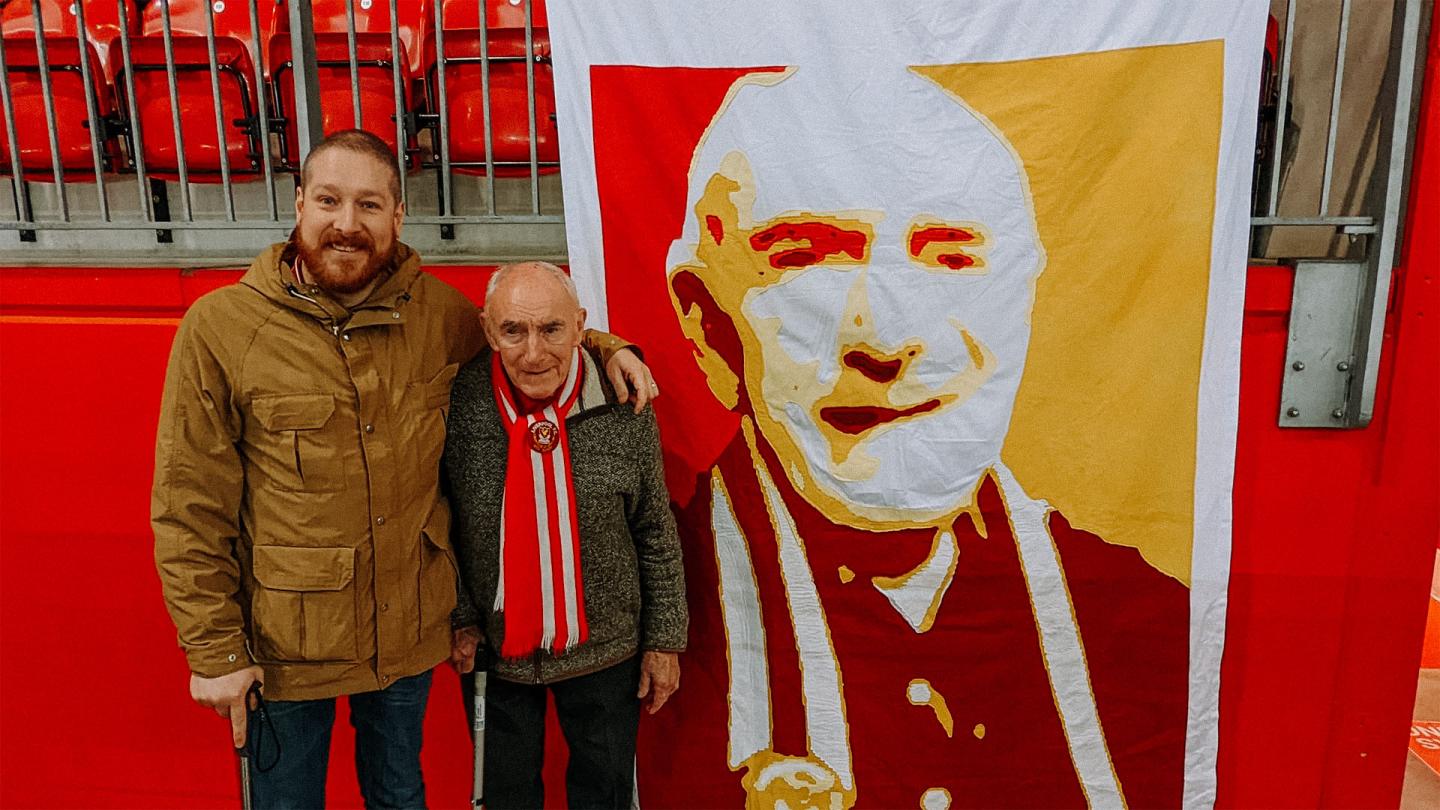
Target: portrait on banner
932, 446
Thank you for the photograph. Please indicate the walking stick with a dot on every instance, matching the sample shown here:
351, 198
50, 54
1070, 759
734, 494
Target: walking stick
243, 759
253, 703
477, 789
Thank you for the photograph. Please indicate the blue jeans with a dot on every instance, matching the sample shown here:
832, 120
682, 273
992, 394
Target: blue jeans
388, 727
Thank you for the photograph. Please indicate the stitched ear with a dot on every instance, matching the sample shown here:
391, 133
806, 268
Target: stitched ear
711, 330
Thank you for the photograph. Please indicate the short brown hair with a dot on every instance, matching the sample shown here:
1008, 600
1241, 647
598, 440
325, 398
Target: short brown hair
363, 142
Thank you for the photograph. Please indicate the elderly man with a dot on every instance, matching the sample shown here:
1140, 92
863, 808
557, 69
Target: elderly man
863, 302
565, 538
300, 533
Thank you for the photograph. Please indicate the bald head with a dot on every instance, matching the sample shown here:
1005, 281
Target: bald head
527, 271
534, 320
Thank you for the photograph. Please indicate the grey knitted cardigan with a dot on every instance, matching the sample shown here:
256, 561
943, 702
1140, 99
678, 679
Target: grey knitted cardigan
629, 552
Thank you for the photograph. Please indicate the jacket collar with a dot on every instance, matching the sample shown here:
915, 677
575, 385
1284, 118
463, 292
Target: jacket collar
271, 275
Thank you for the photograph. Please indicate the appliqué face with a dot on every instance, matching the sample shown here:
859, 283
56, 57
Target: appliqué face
544, 435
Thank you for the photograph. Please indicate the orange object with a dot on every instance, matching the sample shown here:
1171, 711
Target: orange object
1425, 743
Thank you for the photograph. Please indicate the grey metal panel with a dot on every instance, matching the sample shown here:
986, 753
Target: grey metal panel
401, 164
137, 136
485, 108
1319, 357
182, 169
48, 96
262, 108
530, 105
447, 205
1355, 225
1336, 93
220, 134
1413, 16
92, 110
306, 115
7, 106
1287, 50
354, 65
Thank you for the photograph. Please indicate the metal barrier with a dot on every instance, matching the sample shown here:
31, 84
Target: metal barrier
1341, 290
224, 173
274, 83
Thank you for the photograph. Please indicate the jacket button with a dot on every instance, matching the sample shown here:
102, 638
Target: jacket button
395, 315
369, 428
345, 336
231, 659
384, 678
380, 521
384, 606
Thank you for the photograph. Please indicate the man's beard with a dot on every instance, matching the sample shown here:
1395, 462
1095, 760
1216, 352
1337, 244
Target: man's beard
330, 275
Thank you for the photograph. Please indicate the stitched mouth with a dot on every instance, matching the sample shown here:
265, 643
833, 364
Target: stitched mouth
856, 420
881, 371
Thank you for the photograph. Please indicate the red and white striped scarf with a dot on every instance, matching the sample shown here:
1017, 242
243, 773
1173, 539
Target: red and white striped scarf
541, 591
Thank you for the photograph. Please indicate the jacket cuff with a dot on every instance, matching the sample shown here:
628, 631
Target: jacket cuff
663, 641
464, 615
220, 659
608, 345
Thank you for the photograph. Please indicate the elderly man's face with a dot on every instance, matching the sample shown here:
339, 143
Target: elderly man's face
534, 322
879, 348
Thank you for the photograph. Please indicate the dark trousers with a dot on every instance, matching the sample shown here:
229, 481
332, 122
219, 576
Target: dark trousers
599, 715
387, 748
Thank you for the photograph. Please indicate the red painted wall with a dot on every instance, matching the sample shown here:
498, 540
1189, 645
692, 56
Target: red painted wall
1335, 533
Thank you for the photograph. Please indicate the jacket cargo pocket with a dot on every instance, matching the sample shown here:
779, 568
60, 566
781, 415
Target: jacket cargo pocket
304, 607
439, 576
306, 456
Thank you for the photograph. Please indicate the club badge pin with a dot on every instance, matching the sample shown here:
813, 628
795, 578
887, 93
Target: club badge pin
544, 435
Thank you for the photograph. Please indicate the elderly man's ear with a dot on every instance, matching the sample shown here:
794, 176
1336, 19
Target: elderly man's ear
485, 326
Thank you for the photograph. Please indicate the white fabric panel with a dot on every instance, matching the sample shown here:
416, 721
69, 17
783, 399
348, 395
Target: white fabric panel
744, 632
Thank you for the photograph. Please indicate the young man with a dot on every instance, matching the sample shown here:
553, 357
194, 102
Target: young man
300, 533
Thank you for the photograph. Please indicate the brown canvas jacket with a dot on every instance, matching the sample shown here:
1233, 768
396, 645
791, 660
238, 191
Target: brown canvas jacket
298, 518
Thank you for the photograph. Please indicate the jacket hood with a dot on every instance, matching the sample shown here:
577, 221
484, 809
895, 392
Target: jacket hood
270, 275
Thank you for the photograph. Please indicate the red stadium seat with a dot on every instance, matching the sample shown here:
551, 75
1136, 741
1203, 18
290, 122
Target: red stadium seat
374, 16
374, 70
509, 111
102, 21
68, 90
239, 97
498, 14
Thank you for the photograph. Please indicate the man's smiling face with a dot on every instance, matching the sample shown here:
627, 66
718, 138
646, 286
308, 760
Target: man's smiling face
347, 220
881, 320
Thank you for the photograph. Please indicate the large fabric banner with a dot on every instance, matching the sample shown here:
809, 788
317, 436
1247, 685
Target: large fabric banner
944, 300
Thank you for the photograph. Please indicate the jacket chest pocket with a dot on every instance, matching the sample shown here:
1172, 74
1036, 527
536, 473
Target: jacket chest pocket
304, 606
305, 456
426, 410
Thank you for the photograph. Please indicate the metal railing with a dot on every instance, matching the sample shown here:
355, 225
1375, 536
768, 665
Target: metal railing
265, 116
1341, 291
500, 205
